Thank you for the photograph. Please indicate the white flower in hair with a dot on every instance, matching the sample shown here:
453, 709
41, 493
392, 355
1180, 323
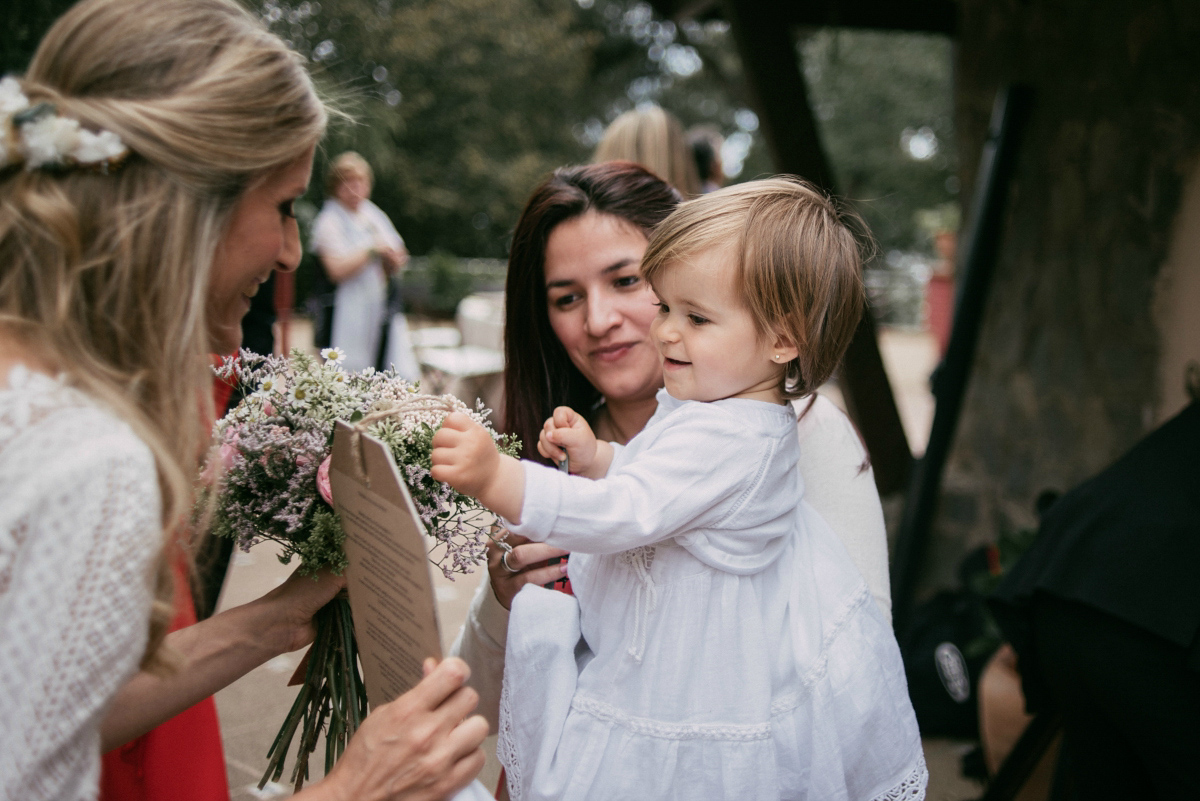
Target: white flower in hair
48, 140
39, 136
93, 148
12, 99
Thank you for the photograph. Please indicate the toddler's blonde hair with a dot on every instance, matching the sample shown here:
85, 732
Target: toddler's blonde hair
798, 266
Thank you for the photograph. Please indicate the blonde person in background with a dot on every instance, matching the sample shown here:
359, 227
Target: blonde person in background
653, 138
149, 162
360, 250
706, 142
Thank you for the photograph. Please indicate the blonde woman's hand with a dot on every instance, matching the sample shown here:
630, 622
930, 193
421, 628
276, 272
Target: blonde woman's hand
420, 747
526, 564
288, 610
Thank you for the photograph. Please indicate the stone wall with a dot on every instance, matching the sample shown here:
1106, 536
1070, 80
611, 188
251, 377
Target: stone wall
1066, 377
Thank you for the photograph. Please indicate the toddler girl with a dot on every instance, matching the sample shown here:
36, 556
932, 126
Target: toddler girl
720, 644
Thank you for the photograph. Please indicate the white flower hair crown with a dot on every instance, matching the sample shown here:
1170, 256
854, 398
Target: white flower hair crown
40, 139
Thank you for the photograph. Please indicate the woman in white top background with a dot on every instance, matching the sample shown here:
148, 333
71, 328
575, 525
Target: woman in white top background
149, 161
360, 250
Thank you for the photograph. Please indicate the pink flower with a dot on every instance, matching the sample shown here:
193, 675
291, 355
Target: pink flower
268, 409
224, 457
323, 481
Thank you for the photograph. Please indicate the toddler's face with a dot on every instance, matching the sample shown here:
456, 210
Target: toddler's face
706, 337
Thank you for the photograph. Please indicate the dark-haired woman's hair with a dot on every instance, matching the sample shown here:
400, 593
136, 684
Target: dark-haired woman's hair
539, 374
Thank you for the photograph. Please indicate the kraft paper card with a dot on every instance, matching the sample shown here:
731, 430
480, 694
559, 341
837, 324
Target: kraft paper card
391, 592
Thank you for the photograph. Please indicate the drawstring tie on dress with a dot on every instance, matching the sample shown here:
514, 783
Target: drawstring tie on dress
639, 561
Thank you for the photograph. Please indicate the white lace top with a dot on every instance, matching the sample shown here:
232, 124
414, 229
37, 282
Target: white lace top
721, 645
79, 533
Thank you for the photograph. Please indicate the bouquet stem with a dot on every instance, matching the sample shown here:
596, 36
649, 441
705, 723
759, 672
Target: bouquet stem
332, 697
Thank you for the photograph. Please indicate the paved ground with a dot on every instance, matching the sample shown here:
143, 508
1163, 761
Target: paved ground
252, 709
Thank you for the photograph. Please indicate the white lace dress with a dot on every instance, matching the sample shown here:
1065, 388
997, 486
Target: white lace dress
721, 644
79, 533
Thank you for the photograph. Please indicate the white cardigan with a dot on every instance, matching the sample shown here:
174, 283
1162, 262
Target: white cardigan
831, 458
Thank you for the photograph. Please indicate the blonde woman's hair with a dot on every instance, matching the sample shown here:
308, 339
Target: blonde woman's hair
344, 166
653, 138
105, 277
798, 266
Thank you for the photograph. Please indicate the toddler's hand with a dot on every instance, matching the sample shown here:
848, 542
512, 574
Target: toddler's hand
464, 455
466, 458
568, 434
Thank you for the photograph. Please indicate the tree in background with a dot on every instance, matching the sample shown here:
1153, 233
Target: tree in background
462, 105
884, 108
24, 23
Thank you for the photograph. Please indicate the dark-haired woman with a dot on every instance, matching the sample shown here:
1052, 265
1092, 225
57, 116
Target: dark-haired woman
577, 333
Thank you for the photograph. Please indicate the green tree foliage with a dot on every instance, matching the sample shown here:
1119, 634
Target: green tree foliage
25, 21
462, 106
884, 105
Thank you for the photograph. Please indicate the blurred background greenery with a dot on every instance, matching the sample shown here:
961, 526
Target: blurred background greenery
461, 106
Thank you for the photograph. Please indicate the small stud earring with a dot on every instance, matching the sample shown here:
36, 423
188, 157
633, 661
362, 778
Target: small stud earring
776, 357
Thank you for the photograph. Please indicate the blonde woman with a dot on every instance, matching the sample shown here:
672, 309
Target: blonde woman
653, 138
149, 160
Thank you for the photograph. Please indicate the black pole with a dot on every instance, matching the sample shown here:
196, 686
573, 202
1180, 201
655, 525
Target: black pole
977, 263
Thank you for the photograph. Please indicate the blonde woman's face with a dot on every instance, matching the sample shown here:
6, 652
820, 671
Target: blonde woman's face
262, 237
600, 307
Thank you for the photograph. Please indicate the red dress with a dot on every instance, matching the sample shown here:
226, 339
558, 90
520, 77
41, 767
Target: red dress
182, 759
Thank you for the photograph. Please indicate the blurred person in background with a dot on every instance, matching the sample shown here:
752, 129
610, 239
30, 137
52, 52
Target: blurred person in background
706, 143
653, 138
360, 250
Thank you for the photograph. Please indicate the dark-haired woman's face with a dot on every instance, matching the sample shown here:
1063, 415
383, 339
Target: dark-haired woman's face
600, 307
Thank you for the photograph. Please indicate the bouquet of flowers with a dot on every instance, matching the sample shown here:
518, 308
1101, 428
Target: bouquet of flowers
268, 479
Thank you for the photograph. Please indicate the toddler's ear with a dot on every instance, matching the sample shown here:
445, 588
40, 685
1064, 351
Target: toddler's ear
784, 348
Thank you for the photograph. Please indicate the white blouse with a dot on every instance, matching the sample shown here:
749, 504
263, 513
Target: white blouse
79, 534
835, 484
720, 644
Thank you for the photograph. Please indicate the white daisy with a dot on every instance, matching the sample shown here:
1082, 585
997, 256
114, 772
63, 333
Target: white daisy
270, 384
334, 355
300, 395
